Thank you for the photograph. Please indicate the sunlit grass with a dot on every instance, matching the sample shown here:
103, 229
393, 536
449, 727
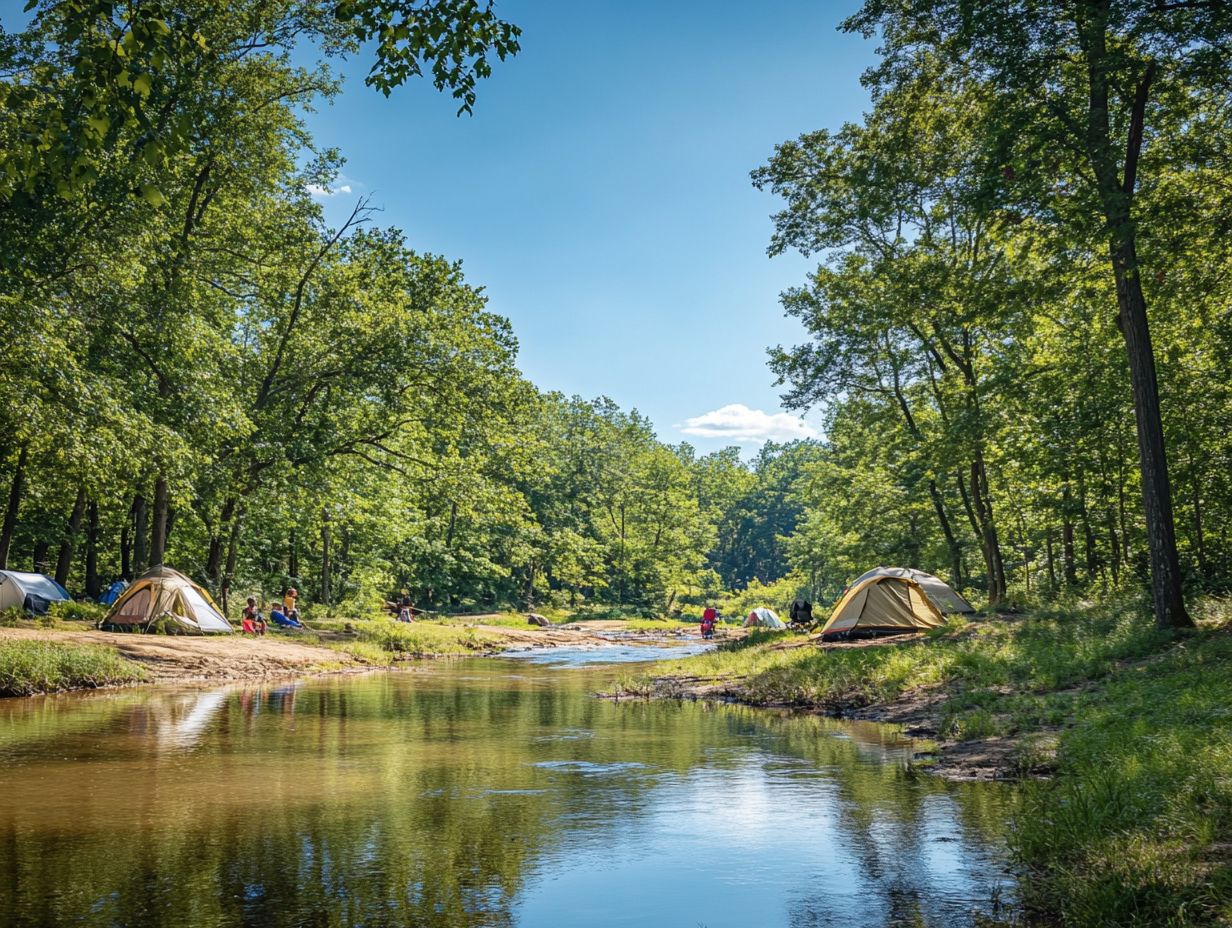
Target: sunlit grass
29, 667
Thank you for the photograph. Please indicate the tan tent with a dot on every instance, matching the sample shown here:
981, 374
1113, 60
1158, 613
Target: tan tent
943, 596
163, 593
883, 604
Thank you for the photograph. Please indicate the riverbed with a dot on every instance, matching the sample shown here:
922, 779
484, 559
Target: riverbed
482, 792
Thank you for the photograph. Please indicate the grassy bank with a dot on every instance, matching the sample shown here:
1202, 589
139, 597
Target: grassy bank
1135, 826
30, 667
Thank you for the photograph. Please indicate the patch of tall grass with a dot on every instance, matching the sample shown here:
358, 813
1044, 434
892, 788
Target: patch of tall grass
1136, 828
30, 667
424, 639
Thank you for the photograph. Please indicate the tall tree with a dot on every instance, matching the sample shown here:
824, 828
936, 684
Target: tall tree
1083, 82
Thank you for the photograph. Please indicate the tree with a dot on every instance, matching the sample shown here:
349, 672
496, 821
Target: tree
1079, 88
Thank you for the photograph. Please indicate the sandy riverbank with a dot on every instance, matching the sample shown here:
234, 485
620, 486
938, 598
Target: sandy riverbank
219, 659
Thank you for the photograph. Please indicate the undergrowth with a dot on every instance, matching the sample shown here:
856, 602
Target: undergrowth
29, 667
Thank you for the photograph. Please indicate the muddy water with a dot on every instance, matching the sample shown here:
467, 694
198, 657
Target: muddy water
480, 793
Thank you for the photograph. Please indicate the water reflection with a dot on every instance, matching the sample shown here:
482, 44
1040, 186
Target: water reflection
476, 794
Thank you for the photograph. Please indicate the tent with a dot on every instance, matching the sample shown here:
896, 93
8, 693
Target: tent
761, 617
883, 605
163, 593
32, 592
943, 596
112, 593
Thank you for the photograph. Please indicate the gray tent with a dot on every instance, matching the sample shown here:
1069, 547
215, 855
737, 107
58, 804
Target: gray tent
939, 593
33, 593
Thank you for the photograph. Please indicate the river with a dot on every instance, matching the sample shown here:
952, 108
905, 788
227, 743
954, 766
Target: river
484, 792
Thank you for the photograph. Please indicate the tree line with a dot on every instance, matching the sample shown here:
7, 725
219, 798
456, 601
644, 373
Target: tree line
203, 372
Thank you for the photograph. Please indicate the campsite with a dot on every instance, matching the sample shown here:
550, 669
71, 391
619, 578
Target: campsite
527, 465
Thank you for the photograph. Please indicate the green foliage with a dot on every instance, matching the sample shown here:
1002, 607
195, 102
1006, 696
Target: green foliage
777, 596
75, 611
420, 639
29, 667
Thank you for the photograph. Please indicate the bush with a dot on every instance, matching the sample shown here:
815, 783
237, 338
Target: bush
29, 667
73, 611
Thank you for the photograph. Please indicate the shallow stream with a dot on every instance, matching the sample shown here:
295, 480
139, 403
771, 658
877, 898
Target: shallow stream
485, 792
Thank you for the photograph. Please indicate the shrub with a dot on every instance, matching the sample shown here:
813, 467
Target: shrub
73, 611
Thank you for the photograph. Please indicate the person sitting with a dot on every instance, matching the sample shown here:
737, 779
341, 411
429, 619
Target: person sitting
248, 623
281, 619
293, 616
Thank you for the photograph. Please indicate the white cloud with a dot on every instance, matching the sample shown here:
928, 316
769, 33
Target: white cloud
319, 191
737, 422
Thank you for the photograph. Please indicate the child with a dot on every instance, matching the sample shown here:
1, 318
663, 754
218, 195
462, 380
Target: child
251, 617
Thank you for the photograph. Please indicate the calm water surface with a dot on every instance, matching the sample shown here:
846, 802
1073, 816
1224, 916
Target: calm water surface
475, 793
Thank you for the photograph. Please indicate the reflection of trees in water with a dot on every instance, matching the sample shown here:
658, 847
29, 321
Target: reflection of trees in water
371, 801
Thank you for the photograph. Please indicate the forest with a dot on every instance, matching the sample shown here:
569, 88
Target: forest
203, 372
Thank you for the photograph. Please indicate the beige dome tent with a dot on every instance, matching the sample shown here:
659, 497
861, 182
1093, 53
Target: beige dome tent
885, 605
943, 596
163, 593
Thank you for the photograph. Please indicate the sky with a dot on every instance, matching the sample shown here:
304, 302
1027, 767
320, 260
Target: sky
600, 193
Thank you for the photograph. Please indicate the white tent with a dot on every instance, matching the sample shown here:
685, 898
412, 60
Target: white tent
761, 617
32, 592
939, 593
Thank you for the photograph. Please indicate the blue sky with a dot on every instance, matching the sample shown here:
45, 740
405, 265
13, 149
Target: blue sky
600, 193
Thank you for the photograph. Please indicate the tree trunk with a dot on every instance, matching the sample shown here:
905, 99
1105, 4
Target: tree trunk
94, 585
69, 542
1052, 569
947, 529
158, 532
39, 558
233, 545
1069, 564
16, 490
213, 559
1199, 534
126, 548
982, 497
141, 537
979, 514
1114, 545
1166, 591
453, 522
325, 553
1116, 194
293, 557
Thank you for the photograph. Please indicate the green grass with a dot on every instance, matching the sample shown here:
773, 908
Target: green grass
1135, 827
423, 639
29, 667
